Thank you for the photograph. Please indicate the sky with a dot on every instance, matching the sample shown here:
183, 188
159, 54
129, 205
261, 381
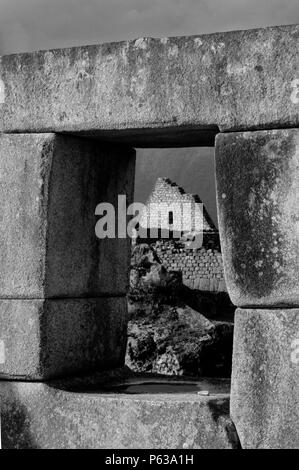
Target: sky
27, 25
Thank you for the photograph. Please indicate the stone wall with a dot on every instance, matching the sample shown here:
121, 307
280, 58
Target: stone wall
187, 211
202, 269
240, 85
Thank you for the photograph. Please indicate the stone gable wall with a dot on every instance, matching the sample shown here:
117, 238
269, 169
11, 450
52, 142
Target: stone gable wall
186, 208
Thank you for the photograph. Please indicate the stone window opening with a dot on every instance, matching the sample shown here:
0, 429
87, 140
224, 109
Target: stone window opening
67, 142
180, 315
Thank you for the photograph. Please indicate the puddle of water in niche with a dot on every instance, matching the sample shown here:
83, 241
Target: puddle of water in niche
151, 386
147, 388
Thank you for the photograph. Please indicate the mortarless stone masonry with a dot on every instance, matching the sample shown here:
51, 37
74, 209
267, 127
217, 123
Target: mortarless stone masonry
54, 271
201, 268
46, 338
63, 415
50, 186
258, 210
163, 92
152, 92
265, 398
186, 210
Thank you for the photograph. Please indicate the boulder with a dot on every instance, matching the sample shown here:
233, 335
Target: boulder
143, 256
177, 340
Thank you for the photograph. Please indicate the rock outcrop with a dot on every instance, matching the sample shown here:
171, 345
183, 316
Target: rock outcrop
165, 334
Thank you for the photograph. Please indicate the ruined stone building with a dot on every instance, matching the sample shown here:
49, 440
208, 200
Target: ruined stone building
170, 207
169, 213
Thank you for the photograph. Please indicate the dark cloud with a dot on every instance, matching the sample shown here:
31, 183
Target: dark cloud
27, 25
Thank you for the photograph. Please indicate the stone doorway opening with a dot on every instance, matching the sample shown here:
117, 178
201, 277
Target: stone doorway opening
180, 315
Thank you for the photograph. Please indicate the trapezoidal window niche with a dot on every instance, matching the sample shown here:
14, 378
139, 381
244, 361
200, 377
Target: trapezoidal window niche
180, 315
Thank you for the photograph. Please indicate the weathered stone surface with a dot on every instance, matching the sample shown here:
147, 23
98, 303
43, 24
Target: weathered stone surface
42, 339
157, 90
200, 268
49, 189
174, 340
258, 206
52, 416
165, 334
265, 381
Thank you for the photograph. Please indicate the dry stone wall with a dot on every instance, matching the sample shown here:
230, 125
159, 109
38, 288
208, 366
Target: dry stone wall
187, 211
202, 269
169, 92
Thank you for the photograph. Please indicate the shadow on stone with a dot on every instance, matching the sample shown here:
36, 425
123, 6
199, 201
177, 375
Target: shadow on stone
15, 421
218, 409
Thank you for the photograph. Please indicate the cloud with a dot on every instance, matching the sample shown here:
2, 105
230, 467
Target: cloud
27, 25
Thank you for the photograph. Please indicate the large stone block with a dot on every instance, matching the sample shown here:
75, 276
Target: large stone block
258, 207
149, 91
49, 188
41, 339
265, 381
52, 416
